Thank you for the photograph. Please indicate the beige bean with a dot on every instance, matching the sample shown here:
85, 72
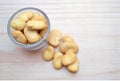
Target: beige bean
26, 16
67, 38
32, 36
39, 17
36, 25
35, 16
68, 58
48, 53
18, 24
74, 67
57, 61
54, 37
19, 36
65, 46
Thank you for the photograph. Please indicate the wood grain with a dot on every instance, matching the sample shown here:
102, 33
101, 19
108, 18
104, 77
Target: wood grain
95, 26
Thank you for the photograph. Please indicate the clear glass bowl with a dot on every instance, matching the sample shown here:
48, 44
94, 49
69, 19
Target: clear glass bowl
33, 46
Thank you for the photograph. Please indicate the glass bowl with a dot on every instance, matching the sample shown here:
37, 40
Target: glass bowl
33, 46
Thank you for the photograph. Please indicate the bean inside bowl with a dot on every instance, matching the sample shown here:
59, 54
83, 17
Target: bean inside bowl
31, 46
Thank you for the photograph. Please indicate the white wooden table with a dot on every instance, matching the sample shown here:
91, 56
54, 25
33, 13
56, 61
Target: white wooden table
95, 26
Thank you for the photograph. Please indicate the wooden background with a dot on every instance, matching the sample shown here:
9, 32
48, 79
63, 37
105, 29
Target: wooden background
95, 26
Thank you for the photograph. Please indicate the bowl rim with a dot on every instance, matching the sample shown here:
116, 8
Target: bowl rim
27, 45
